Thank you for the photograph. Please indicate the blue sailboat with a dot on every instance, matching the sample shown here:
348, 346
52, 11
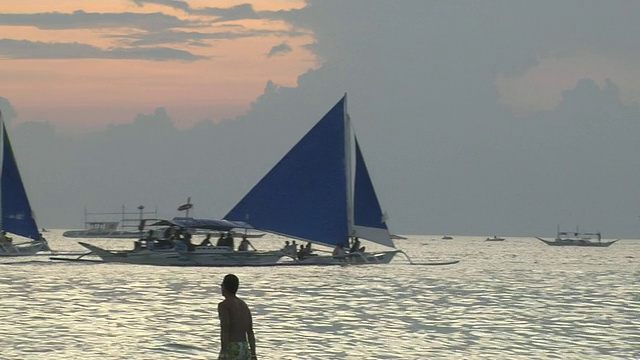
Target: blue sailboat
16, 215
315, 193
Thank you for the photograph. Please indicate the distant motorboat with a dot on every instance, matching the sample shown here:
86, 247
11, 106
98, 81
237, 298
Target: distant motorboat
577, 238
494, 238
447, 238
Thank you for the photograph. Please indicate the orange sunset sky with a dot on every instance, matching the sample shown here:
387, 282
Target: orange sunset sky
218, 72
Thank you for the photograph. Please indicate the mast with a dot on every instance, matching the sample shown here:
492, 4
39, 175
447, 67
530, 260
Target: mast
348, 168
1, 168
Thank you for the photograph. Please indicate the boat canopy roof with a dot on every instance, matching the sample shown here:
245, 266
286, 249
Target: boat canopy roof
209, 224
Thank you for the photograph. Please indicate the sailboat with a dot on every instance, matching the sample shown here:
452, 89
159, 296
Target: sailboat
314, 194
16, 215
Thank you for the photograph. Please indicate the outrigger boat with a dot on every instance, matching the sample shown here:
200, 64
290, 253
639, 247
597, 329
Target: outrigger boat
179, 251
314, 194
16, 216
494, 238
578, 239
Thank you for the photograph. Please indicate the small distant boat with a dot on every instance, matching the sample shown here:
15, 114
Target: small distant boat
16, 215
578, 238
447, 238
494, 238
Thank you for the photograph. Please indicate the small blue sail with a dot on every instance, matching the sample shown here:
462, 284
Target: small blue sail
368, 219
305, 195
17, 217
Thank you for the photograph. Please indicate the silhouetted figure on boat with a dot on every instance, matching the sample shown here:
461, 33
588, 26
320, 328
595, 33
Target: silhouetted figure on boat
355, 247
301, 253
245, 244
206, 241
220, 241
226, 240
339, 252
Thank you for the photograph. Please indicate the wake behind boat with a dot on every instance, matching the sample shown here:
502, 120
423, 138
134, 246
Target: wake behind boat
16, 216
321, 192
578, 239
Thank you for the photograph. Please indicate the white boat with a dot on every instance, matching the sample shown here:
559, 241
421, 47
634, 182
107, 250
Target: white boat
321, 192
128, 227
102, 229
494, 238
199, 256
578, 238
179, 251
16, 216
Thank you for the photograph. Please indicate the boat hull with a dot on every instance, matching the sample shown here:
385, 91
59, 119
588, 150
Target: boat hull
383, 257
84, 234
199, 257
32, 248
574, 242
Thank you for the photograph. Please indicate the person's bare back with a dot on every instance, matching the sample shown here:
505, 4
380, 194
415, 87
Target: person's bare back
236, 324
236, 315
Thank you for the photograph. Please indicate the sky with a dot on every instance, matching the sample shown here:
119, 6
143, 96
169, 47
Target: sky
475, 118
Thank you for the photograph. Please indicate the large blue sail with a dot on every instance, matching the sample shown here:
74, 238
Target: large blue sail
305, 195
368, 219
17, 217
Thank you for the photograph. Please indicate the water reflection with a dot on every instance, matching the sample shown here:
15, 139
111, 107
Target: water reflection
517, 299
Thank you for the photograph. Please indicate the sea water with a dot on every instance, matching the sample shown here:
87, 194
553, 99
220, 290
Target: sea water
516, 299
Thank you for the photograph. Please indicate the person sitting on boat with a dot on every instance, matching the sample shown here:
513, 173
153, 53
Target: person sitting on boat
287, 248
220, 241
301, 253
186, 240
227, 240
244, 244
355, 247
206, 241
339, 252
307, 250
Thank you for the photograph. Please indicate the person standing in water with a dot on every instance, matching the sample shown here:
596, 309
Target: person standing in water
236, 325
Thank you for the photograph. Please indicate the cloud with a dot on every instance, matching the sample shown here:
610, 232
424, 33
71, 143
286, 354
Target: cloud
84, 20
238, 12
281, 49
7, 110
175, 4
23, 49
444, 155
193, 38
